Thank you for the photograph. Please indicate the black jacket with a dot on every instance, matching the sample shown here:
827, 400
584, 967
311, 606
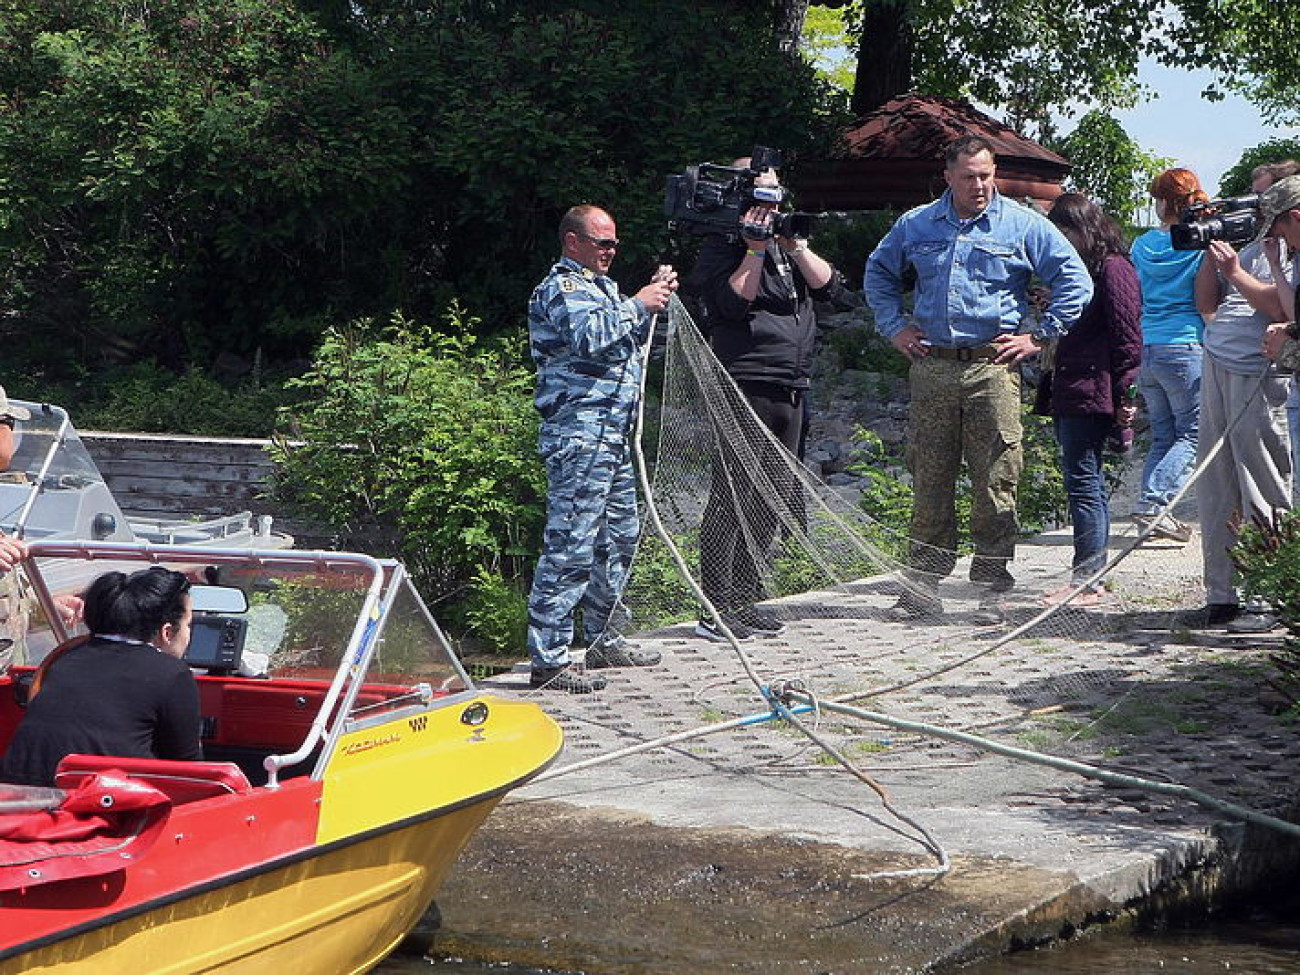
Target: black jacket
106, 698
771, 339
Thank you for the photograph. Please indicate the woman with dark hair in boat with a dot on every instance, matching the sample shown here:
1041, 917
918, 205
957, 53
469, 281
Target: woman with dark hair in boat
123, 690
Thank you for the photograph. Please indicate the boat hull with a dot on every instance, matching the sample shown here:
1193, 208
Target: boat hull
338, 910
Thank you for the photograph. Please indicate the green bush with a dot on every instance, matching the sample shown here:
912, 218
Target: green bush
1267, 554
422, 446
886, 495
866, 350
847, 240
147, 398
495, 613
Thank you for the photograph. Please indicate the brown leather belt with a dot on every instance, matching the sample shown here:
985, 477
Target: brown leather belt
974, 353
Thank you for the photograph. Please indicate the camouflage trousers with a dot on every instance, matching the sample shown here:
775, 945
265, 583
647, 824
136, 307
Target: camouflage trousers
590, 538
964, 411
14, 611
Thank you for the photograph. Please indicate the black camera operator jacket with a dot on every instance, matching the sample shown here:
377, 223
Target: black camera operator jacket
771, 339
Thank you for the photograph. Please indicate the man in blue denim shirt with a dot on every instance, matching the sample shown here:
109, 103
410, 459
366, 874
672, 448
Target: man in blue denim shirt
975, 255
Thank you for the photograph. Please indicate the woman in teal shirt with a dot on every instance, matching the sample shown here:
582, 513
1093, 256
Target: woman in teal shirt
1170, 380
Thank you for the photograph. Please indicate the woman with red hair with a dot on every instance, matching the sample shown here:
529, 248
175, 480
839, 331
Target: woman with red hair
1170, 380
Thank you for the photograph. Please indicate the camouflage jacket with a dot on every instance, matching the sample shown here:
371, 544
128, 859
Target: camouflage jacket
1288, 360
585, 337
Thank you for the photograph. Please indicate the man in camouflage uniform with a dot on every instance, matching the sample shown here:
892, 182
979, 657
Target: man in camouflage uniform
585, 338
974, 254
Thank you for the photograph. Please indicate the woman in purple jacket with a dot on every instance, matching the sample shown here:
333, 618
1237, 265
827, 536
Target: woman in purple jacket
1088, 390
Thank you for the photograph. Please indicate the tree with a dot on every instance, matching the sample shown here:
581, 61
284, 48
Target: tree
825, 43
187, 177
1025, 57
592, 102
183, 178
1236, 181
1109, 166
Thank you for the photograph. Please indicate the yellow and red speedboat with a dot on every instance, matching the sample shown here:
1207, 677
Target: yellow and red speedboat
348, 759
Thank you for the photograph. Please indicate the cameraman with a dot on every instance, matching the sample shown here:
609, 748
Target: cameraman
1242, 402
756, 291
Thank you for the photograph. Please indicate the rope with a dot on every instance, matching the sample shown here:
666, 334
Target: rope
1051, 611
779, 708
790, 702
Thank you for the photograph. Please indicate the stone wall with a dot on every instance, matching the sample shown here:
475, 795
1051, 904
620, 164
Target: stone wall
846, 399
173, 476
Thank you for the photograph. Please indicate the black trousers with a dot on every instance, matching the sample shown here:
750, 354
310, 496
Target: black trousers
752, 489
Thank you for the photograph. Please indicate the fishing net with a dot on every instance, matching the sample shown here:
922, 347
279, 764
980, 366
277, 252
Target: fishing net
1123, 683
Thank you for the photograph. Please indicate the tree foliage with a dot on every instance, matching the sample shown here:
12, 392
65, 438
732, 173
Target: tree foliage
182, 177
535, 108
1026, 57
185, 177
1109, 166
1236, 181
825, 43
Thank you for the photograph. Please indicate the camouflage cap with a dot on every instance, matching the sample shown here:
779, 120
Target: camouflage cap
7, 409
1282, 196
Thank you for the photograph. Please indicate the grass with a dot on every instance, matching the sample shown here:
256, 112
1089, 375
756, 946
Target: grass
853, 750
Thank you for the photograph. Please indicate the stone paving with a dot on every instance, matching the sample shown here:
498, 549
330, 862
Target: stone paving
1122, 686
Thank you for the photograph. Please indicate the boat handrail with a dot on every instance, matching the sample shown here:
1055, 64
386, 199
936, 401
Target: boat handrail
16, 799
238, 518
361, 664
38, 484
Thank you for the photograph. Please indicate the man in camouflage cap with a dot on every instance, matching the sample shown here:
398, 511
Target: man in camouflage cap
585, 336
1279, 216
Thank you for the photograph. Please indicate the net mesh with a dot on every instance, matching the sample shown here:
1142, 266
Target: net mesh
1122, 683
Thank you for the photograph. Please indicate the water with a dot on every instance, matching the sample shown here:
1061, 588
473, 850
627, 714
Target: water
1258, 944
1250, 947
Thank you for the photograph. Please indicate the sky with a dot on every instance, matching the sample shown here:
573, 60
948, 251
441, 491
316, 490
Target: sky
1205, 137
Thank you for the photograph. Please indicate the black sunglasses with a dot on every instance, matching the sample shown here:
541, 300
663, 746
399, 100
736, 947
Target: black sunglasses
604, 243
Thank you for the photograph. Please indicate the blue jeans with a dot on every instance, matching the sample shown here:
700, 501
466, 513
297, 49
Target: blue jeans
1170, 383
1082, 440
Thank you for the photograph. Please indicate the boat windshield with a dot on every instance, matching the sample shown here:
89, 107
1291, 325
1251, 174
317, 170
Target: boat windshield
53, 489
300, 625
306, 618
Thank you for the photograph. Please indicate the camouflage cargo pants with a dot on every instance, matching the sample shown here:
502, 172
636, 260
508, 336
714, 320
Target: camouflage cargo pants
590, 538
970, 411
14, 611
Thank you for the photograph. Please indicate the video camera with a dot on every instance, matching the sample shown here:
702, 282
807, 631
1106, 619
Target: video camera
709, 199
1235, 220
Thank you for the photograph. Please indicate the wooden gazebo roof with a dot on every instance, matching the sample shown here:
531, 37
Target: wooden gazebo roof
894, 158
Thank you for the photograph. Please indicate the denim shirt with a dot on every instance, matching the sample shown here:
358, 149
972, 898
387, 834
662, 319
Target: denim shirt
973, 276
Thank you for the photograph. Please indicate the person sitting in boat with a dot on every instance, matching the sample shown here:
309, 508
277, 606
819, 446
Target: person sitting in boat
122, 690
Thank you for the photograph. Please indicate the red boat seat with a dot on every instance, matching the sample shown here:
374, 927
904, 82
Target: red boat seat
181, 781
